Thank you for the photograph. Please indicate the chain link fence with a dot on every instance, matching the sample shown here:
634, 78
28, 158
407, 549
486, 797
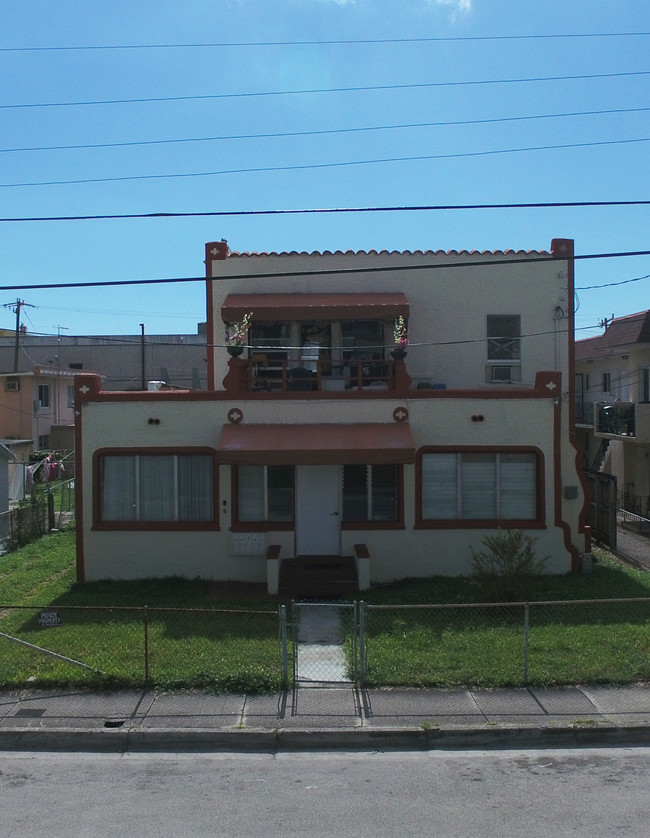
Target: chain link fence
480, 645
505, 644
166, 647
49, 507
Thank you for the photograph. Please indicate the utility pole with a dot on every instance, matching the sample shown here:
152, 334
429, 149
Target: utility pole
57, 358
142, 345
17, 307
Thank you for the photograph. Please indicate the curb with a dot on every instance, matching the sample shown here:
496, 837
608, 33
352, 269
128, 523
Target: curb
287, 740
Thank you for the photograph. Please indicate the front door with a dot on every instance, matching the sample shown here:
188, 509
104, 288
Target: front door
318, 519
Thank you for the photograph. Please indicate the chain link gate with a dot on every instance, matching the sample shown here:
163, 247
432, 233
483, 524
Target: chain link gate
326, 642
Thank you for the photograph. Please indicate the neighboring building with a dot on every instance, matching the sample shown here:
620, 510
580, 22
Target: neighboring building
125, 362
6, 456
316, 441
613, 406
37, 406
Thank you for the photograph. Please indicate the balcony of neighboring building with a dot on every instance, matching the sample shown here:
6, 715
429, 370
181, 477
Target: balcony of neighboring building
622, 420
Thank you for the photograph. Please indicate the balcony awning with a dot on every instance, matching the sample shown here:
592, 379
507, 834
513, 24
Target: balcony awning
316, 444
315, 306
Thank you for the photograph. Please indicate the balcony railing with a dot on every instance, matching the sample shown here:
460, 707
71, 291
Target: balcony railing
616, 418
257, 375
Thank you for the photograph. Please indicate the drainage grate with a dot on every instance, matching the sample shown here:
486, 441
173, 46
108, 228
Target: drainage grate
115, 722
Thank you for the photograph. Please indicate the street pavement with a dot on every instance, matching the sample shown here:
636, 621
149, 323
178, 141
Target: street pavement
325, 718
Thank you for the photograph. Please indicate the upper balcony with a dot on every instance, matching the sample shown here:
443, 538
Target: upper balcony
260, 375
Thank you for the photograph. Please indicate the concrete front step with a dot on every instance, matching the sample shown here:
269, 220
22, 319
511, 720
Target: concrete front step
319, 576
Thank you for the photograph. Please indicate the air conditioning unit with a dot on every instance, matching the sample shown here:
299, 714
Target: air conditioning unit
503, 373
12, 384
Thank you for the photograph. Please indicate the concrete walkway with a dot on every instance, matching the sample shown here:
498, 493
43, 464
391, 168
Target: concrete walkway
633, 547
320, 656
344, 718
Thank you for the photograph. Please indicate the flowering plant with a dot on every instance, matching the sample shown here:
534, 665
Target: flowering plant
236, 333
400, 333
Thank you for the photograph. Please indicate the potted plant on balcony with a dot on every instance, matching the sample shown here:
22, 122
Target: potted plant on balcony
237, 334
400, 339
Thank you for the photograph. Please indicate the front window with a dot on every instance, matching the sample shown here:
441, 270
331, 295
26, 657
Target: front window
156, 488
370, 493
265, 493
479, 486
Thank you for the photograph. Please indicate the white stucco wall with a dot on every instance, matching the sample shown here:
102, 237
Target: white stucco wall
394, 553
448, 306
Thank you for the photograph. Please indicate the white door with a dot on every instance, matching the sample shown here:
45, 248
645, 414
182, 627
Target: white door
318, 519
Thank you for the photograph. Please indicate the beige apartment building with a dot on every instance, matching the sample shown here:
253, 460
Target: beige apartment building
390, 407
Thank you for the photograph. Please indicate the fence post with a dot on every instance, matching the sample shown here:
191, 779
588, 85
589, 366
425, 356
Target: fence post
146, 644
51, 522
526, 625
284, 651
362, 643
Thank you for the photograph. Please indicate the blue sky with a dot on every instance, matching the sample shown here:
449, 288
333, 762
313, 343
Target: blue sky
467, 90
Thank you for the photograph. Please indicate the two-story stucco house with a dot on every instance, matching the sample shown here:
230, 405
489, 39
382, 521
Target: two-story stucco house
38, 406
319, 440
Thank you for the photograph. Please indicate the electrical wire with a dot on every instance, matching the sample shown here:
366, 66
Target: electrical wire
492, 262
337, 42
321, 90
329, 210
338, 164
323, 132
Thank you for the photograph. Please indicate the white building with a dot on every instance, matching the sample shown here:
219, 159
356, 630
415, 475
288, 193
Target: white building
316, 442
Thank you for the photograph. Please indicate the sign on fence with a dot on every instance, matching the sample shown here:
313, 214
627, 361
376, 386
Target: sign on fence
49, 619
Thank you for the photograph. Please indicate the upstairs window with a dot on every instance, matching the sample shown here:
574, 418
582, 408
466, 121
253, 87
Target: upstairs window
504, 338
44, 395
607, 382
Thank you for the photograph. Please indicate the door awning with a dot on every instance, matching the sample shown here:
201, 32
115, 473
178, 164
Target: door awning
315, 306
316, 444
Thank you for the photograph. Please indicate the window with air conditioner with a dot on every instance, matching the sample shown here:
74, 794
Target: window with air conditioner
503, 348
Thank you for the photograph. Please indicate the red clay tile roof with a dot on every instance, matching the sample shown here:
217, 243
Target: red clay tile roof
622, 331
244, 253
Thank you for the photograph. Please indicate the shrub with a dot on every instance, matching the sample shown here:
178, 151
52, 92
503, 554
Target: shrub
506, 565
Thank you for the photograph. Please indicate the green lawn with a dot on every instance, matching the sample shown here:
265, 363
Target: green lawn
231, 643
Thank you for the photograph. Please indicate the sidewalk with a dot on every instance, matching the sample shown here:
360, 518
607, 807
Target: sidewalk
633, 547
322, 718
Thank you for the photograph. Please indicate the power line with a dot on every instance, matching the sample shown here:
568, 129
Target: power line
612, 284
541, 257
356, 89
337, 164
332, 210
321, 132
339, 42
